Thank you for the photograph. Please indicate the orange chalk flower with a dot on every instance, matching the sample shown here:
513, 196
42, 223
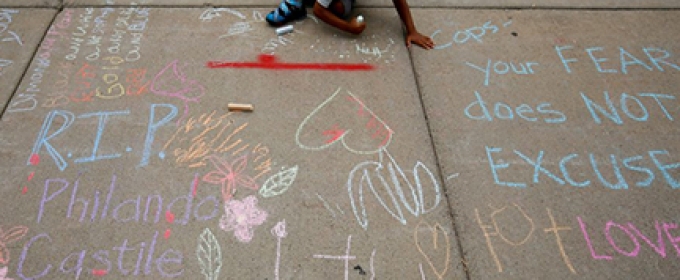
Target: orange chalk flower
230, 176
10, 236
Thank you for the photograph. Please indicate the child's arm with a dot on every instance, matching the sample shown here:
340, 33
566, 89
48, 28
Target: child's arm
327, 16
412, 36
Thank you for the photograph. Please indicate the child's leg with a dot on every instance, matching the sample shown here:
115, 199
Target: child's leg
287, 11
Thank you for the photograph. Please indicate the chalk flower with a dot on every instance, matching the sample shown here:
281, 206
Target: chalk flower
230, 175
3, 274
279, 230
7, 237
242, 217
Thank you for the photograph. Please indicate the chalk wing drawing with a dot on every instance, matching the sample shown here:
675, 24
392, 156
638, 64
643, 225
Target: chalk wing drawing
11, 236
209, 255
279, 183
360, 131
391, 177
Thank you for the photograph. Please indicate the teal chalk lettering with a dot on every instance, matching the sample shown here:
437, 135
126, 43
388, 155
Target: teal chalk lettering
103, 117
494, 167
656, 97
593, 107
565, 61
665, 167
598, 61
624, 105
628, 163
482, 106
565, 172
621, 183
658, 61
43, 139
538, 169
152, 127
633, 61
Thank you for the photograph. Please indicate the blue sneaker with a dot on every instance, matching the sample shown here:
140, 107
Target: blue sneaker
288, 10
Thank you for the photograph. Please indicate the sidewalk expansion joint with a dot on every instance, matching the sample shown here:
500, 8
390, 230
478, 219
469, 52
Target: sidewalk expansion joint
452, 213
28, 67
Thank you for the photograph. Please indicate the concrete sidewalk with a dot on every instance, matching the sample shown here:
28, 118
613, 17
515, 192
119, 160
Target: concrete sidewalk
538, 142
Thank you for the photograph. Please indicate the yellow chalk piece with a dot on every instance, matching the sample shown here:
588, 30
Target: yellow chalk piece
240, 107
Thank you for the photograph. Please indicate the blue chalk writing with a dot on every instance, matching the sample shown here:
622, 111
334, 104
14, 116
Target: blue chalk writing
621, 182
43, 139
103, 116
665, 167
597, 61
565, 172
564, 60
650, 175
634, 61
656, 97
538, 169
494, 166
658, 61
611, 112
475, 33
609, 170
153, 127
478, 110
502, 68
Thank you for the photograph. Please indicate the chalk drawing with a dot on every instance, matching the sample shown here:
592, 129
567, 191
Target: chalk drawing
371, 263
12, 235
377, 127
326, 205
230, 175
422, 273
3, 274
555, 229
475, 33
279, 231
366, 170
241, 217
346, 258
436, 230
209, 255
279, 183
176, 84
212, 13
498, 233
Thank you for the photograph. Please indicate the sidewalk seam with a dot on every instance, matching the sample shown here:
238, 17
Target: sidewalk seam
28, 66
452, 213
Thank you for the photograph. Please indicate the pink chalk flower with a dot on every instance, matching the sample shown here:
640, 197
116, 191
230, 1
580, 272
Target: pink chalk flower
3, 274
241, 217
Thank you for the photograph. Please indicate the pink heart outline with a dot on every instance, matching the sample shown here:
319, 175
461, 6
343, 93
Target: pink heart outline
340, 136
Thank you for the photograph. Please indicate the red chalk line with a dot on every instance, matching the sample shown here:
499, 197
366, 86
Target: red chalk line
266, 61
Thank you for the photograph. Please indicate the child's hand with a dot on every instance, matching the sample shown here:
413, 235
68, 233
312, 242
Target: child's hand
356, 27
420, 40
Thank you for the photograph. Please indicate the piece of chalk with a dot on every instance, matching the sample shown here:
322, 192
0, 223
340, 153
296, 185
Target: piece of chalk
283, 30
240, 107
360, 19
